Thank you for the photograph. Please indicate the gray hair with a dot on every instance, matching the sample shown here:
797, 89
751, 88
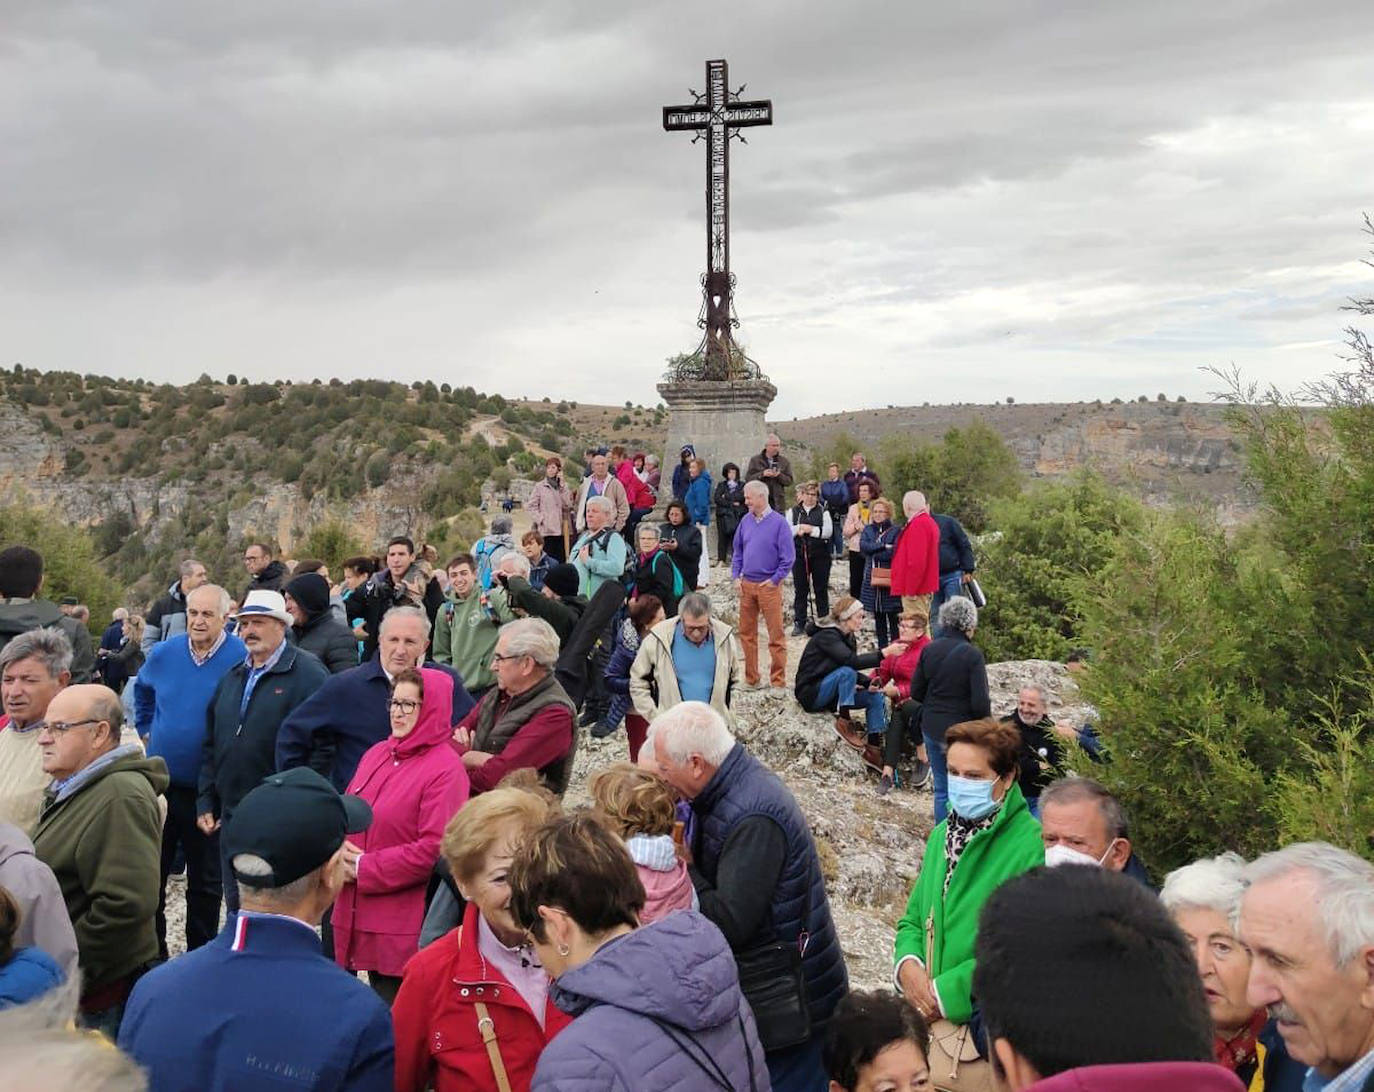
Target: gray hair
514, 564
692, 728
694, 603
1213, 883
1345, 892
646, 529
288, 894
222, 599
532, 637
913, 502
604, 503
1075, 790
399, 613
959, 613
755, 487
49, 646
650, 460
501, 525
1035, 688
119, 614
39, 1048
189, 566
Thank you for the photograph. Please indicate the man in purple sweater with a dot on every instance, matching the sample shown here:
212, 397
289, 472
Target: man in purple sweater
764, 552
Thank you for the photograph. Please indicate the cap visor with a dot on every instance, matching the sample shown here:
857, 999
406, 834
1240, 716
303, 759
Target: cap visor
357, 813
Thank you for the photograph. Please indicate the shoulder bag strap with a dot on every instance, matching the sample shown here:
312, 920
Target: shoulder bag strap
487, 1027
704, 1061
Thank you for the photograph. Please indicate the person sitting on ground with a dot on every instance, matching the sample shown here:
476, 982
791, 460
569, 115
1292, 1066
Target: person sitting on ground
729, 502
28, 972
989, 837
828, 679
855, 520
43, 920
559, 602
682, 541
532, 546
261, 1001
468, 622
655, 574
667, 994
1204, 900
599, 552
415, 783
877, 542
1087, 986
526, 720
1041, 757
951, 683
316, 627
21, 579
693, 657
644, 612
893, 678
641, 809
877, 1041
1081, 822
34, 667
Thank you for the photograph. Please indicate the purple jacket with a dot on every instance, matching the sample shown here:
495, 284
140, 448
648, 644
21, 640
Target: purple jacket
659, 1008
764, 549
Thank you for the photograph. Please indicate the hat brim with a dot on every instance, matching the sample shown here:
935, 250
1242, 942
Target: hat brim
280, 616
357, 813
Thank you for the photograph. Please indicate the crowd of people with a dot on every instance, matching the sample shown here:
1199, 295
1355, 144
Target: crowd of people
363, 784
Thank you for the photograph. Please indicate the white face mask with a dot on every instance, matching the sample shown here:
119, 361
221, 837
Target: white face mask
1061, 854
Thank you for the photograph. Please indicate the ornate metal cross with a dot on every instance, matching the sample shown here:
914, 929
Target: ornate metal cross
718, 114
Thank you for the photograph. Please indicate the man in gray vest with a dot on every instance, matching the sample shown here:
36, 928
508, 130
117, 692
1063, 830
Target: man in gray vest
758, 877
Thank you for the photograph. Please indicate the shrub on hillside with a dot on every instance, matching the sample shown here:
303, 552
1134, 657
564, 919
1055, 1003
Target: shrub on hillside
962, 475
70, 564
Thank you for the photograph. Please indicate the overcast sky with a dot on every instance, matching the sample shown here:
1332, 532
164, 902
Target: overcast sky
957, 202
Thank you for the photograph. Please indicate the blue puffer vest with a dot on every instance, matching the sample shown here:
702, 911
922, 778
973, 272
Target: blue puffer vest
744, 787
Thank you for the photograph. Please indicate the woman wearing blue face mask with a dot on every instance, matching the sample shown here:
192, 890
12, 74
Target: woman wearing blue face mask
988, 837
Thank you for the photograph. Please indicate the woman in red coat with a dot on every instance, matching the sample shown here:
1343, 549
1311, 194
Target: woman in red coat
415, 782
893, 678
482, 970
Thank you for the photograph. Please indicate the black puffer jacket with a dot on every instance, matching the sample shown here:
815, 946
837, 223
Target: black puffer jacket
329, 639
827, 650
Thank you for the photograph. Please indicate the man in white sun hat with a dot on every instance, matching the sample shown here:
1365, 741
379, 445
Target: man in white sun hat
248, 707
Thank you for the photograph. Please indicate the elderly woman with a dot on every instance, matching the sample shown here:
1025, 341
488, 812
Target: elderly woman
951, 683
1204, 899
656, 1007
683, 542
483, 970
414, 782
599, 553
855, 521
655, 573
990, 837
828, 679
877, 542
893, 678
729, 502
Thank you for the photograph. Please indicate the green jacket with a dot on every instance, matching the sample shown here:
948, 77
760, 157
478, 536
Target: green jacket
1010, 846
562, 613
465, 634
104, 845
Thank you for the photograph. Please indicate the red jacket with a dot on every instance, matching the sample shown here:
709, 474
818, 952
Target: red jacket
437, 1041
916, 561
546, 736
1143, 1077
899, 669
639, 494
415, 786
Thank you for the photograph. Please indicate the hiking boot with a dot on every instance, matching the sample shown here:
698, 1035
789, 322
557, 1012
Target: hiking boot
872, 758
798, 629
850, 733
884, 785
921, 777
601, 729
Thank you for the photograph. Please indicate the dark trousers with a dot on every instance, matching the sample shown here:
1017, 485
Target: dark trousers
797, 1069
857, 564
231, 885
553, 546
810, 569
725, 541
905, 721
631, 522
886, 625
203, 884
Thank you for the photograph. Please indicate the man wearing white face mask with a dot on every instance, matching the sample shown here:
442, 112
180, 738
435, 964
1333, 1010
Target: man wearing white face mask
1081, 823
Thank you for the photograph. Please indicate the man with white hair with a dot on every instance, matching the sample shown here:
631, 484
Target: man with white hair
765, 551
758, 877
916, 561
526, 720
600, 482
1308, 920
167, 617
771, 468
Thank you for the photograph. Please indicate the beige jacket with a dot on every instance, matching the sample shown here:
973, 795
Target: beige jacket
615, 493
653, 679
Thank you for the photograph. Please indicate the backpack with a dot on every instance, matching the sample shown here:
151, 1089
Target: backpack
627, 575
488, 553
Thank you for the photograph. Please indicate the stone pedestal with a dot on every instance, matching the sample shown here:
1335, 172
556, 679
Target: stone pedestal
723, 421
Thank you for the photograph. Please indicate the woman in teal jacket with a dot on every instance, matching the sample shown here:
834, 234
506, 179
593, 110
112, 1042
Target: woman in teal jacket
989, 836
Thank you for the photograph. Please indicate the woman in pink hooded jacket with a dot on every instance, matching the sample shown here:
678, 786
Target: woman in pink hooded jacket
415, 783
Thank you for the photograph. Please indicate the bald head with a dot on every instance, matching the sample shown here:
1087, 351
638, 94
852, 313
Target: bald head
913, 503
82, 724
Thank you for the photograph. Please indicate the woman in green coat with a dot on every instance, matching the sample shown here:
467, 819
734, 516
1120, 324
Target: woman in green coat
989, 836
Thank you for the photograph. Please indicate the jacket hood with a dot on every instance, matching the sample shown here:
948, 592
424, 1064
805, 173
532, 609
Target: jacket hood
13, 842
436, 714
21, 616
678, 970
1142, 1077
133, 760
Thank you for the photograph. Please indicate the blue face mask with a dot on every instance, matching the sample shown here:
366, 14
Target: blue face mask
971, 799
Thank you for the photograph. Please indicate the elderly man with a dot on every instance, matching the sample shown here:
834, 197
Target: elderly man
260, 1007
916, 561
957, 564
331, 729
526, 722
172, 699
246, 711
33, 667
756, 873
100, 833
764, 555
469, 620
601, 483
1044, 743
771, 468
692, 657
1308, 920
21, 579
167, 617
599, 553
1082, 823
859, 472
264, 573
392, 588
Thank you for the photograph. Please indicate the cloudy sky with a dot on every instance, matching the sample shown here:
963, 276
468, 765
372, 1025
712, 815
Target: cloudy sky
958, 202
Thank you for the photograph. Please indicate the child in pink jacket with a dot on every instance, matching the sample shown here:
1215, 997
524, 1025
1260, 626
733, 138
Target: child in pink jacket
642, 809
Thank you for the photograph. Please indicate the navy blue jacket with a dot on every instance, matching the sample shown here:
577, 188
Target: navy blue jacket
743, 788
956, 551
332, 728
258, 1007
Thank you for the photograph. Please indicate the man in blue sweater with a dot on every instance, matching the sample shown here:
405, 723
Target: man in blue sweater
171, 698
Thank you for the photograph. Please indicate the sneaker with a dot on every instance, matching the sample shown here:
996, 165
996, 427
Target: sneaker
921, 777
601, 729
847, 731
872, 758
589, 717
884, 785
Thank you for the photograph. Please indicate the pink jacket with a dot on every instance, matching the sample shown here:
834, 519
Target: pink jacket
1143, 1077
667, 886
414, 785
636, 492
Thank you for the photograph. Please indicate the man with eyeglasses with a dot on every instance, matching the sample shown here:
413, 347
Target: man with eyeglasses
267, 575
100, 832
692, 657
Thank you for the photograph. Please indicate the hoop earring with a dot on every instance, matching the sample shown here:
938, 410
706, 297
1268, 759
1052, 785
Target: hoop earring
564, 950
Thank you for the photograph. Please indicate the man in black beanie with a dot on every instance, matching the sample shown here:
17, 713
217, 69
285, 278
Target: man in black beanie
1085, 984
558, 602
317, 628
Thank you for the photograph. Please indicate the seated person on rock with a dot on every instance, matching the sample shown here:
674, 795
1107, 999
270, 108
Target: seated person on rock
828, 678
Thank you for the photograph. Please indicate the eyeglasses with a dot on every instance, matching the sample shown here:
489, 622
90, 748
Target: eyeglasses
402, 705
497, 657
62, 727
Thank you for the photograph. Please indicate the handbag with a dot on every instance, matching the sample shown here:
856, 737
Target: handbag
955, 1065
880, 576
771, 977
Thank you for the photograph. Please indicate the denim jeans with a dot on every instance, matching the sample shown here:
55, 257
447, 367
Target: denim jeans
798, 1068
951, 584
935, 755
840, 688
